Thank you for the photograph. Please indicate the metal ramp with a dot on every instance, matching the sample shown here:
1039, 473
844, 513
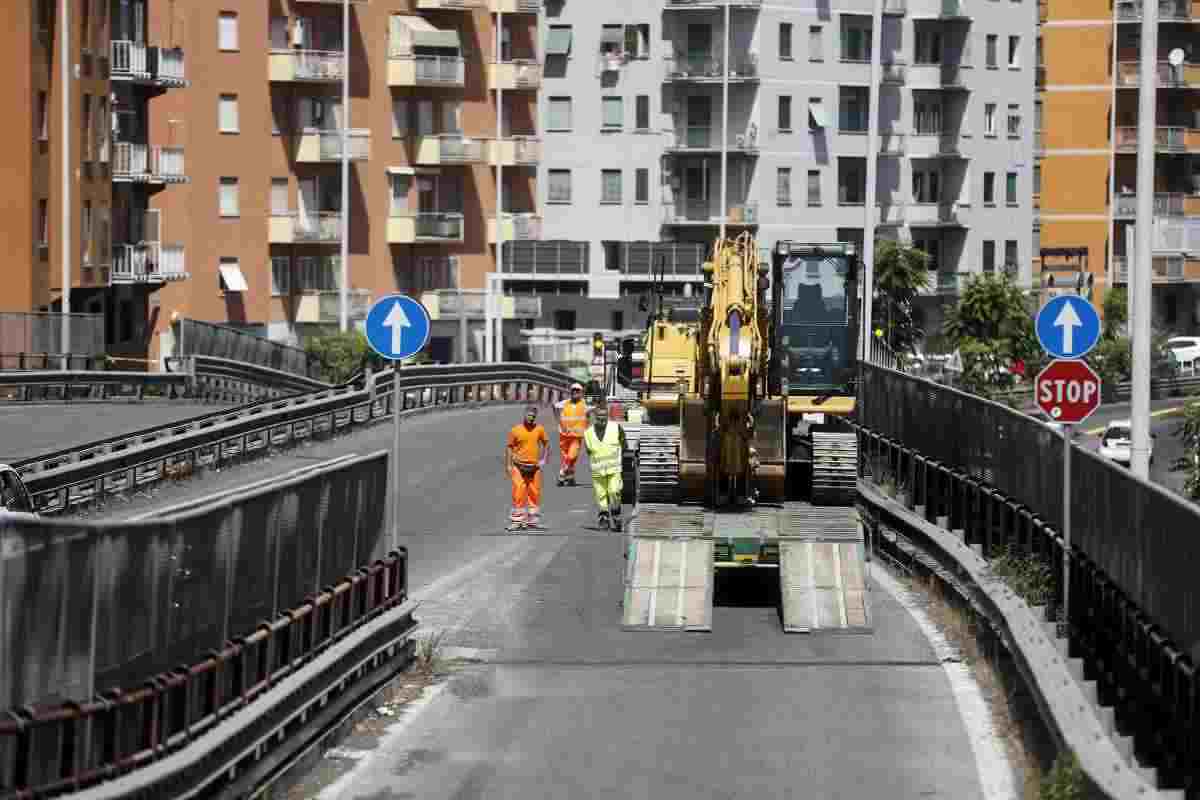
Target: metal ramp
669, 574
823, 585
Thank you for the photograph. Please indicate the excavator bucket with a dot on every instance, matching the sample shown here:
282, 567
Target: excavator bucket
822, 574
669, 574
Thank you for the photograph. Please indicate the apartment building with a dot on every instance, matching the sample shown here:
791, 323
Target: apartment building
635, 134
118, 259
1088, 67
262, 218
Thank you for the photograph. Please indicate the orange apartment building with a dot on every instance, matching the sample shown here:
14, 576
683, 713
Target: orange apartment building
117, 259
1086, 117
260, 218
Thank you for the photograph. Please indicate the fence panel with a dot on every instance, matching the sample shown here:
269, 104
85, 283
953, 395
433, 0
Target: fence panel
207, 339
26, 332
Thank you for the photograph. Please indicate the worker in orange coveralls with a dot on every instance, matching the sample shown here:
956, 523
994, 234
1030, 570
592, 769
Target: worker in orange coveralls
524, 457
572, 417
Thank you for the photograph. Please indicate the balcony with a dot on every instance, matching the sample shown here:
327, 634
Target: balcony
411, 70
153, 164
937, 215
329, 305
1168, 10
954, 10
320, 227
512, 75
704, 69
1166, 204
453, 303
891, 143
893, 73
515, 151
952, 76
1168, 76
702, 213
948, 282
450, 148
895, 8
515, 6
425, 226
516, 227
946, 144
449, 5
317, 146
1166, 269
134, 61
305, 66
1167, 139
889, 215
147, 263
702, 139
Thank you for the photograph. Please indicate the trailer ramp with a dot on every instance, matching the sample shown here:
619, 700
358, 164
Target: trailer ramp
669, 572
822, 571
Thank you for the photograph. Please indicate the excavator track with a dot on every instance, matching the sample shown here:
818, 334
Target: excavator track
835, 469
658, 464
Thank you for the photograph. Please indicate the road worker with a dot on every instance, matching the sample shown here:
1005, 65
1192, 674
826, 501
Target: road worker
605, 443
524, 456
572, 415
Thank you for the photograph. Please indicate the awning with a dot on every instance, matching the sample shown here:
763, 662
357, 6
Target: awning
231, 274
422, 34
817, 111
558, 43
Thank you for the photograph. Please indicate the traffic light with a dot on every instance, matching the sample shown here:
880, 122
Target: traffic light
598, 344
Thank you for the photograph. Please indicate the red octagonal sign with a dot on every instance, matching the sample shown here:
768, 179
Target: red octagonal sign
1067, 390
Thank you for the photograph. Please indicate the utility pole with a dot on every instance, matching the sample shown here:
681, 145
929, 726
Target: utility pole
496, 328
64, 61
344, 288
725, 125
1141, 279
867, 283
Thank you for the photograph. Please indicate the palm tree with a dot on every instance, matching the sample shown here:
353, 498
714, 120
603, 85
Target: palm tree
900, 273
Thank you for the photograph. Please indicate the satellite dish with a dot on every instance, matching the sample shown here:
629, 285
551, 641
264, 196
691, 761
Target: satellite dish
1175, 57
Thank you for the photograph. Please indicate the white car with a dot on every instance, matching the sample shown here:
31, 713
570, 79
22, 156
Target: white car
1117, 442
14, 497
1186, 350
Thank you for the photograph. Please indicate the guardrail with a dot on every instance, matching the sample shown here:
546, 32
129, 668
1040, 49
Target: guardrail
74, 478
39, 361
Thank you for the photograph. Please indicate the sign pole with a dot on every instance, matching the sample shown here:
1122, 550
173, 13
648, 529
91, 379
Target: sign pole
1066, 531
397, 408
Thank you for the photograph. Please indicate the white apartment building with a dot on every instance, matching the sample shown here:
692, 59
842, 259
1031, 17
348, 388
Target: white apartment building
634, 133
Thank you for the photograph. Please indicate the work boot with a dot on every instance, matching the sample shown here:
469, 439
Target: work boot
604, 520
616, 520
514, 526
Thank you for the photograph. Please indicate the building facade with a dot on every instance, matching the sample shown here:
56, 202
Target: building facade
1088, 66
638, 150
117, 74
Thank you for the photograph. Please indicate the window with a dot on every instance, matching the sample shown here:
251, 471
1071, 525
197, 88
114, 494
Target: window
452, 117
228, 197
281, 275
816, 52
612, 39
641, 186
227, 31
1014, 121
989, 188
856, 38
610, 186
43, 117
400, 117
564, 319
316, 274
933, 249
785, 112
618, 320
1037, 179
86, 124
989, 119
783, 186
927, 118
43, 223
992, 44
852, 181
926, 185
280, 115
103, 128
852, 109
559, 118
1014, 47
642, 113
398, 191
989, 256
814, 187
227, 113
613, 113
279, 197
637, 41
86, 232
928, 45
559, 186
558, 41
816, 114
1010, 188
785, 41
1010, 254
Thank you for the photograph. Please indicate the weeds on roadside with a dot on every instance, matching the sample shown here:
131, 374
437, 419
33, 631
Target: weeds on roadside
429, 653
1065, 779
1025, 573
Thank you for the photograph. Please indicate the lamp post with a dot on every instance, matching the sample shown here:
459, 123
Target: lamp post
64, 61
344, 283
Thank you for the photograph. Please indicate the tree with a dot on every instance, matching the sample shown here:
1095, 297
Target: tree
341, 354
991, 326
1116, 312
900, 273
1188, 433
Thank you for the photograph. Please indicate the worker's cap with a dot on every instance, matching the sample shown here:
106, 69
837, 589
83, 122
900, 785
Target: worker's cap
575, 387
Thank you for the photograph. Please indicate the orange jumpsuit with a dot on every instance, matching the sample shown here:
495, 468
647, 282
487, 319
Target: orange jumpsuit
527, 482
571, 426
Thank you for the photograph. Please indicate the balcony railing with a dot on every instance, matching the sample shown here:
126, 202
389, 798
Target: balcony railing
358, 144
1166, 204
439, 226
954, 9
894, 73
319, 226
1171, 139
148, 163
516, 227
890, 214
148, 262
329, 304
1165, 269
1167, 74
926, 214
455, 148
1168, 10
441, 70
895, 8
306, 65
702, 213
891, 143
705, 68
707, 4
131, 60
952, 76
128, 59
518, 73
452, 303
705, 137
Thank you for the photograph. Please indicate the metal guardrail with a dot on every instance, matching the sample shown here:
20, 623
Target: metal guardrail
74, 478
43, 361
38, 385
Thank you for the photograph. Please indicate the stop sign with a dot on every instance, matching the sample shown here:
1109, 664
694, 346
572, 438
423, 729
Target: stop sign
1067, 390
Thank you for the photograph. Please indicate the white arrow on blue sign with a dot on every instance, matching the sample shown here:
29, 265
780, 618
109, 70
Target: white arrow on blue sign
397, 327
1068, 326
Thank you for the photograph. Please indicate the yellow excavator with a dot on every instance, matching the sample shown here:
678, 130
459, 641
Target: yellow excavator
740, 463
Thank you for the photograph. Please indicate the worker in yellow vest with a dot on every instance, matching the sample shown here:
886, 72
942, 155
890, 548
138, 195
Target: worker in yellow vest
572, 418
605, 443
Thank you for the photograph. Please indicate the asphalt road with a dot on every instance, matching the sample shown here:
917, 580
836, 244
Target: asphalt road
28, 430
566, 704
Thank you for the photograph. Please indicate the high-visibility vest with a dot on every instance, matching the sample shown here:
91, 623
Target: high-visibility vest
573, 419
605, 454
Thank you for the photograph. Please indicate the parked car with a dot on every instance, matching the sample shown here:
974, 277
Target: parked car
14, 496
1117, 442
1186, 350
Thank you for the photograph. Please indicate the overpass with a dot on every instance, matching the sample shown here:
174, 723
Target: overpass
542, 610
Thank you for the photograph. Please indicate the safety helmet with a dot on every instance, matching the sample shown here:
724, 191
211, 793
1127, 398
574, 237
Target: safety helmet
576, 387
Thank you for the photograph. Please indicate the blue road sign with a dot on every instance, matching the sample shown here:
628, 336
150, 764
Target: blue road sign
1068, 326
397, 327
